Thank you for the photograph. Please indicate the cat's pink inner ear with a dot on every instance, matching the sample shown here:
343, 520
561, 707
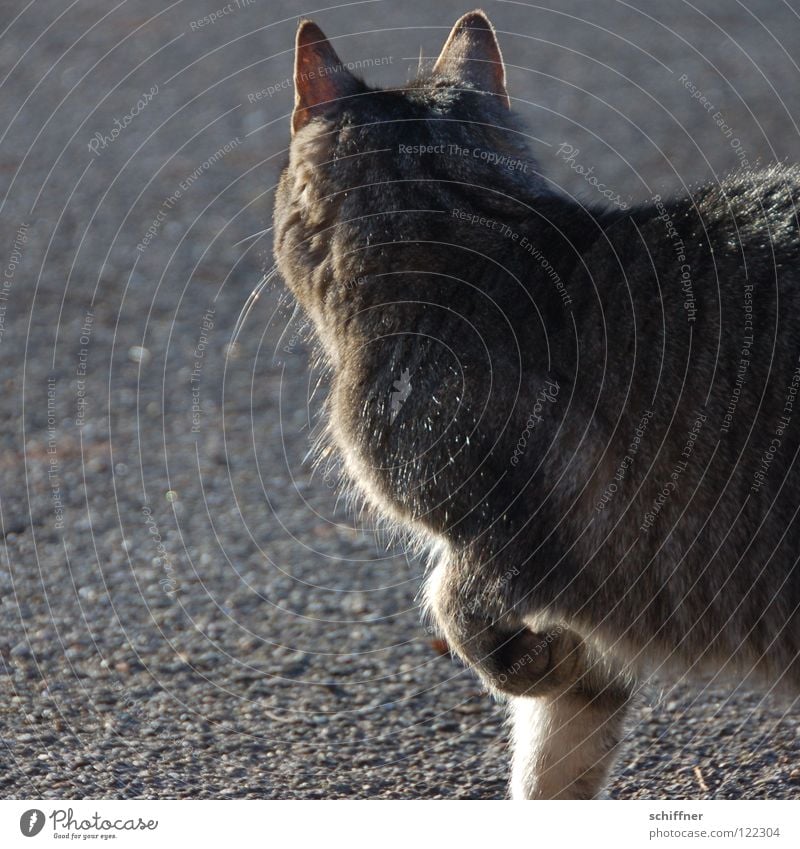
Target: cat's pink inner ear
472, 54
320, 79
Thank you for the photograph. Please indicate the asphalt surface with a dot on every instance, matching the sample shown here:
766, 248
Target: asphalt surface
187, 609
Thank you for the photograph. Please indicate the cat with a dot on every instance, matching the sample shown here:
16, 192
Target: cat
596, 436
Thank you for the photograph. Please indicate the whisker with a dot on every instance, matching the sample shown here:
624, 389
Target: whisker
253, 236
250, 303
292, 317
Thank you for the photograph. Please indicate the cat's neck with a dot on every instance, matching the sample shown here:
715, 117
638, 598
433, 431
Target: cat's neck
511, 272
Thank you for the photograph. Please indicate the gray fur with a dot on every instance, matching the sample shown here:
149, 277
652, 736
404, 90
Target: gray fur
619, 511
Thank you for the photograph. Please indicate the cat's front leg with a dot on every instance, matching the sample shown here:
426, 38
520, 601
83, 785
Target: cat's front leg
565, 743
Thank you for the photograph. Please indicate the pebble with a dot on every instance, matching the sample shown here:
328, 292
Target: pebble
21, 650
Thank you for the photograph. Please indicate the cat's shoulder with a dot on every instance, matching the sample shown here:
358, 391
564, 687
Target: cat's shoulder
752, 195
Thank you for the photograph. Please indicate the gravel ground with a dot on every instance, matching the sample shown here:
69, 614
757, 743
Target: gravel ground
187, 610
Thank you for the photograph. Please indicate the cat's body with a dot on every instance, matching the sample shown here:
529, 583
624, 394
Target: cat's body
588, 439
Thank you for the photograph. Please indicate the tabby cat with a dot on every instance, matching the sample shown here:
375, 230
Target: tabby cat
586, 415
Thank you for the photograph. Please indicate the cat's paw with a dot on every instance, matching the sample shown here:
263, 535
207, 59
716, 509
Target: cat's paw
528, 663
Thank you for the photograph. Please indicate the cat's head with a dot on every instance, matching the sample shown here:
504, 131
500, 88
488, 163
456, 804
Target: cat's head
371, 169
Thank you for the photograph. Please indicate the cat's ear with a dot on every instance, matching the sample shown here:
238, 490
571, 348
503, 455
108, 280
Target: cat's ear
320, 78
472, 54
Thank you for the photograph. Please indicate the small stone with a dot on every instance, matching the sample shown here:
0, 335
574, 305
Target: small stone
138, 354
